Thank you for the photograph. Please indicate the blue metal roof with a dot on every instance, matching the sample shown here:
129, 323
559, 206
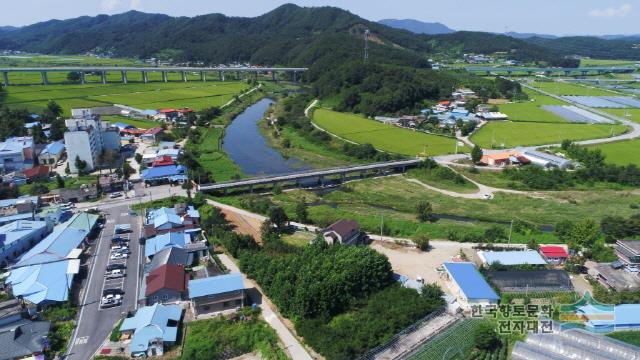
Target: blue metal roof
518, 257
13, 202
215, 285
162, 172
20, 229
122, 126
619, 316
472, 284
160, 242
53, 148
149, 323
42, 282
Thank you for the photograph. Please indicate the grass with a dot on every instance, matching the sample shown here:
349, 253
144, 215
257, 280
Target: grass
621, 152
631, 337
212, 157
531, 110
560, 88
391, 202
510, 134
454, 340
298, 238
443, 178
629, 114
138, 123
196, 95
382, 136
606, 62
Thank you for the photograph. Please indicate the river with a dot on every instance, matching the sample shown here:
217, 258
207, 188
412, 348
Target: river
248, 148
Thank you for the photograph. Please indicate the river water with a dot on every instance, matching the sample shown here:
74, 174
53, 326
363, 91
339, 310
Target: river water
248, 148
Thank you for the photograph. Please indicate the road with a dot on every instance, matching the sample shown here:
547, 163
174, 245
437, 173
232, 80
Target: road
95, 324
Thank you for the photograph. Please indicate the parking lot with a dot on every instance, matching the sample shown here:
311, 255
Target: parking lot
116, 270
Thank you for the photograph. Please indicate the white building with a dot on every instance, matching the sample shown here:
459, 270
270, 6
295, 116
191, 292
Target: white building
16, 154
87, 138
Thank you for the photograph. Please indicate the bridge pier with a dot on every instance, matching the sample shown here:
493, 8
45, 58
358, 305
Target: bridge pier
273, 76
124, 76
239, 75
103, 77
251, 189
221, 75
145, 78
256, 76
295, 76
184, 76
321, 180
203, 76
45, 80
82, 78
488, 73
567, 72
529, 72
584, 72
5, 78
165, 78
509, 72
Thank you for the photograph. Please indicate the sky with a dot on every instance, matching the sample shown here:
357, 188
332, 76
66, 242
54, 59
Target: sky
557, 17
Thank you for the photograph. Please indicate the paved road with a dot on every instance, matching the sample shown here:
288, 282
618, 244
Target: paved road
95, 324
290, 342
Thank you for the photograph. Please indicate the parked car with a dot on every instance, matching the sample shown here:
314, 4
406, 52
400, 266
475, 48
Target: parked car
111, 300
120, 246
118, 239
123, 251
112, 267
114, 274
118, 256
106, 292
115, 195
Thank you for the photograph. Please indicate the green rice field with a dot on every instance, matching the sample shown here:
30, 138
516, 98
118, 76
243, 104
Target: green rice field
622, 152
532, 110
606, 62
629, 114
560, 88
509, 134
382, 136
196, 95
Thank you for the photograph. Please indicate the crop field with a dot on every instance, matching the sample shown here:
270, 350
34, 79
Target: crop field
196, 95
453, 343
629, 114
382, 136
510, 134
606, 62
138, 123
622, 152
559, 88
532, 110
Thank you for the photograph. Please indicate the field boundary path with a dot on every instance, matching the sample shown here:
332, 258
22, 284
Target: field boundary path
241, 96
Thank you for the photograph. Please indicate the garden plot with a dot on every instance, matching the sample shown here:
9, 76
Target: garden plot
576, 115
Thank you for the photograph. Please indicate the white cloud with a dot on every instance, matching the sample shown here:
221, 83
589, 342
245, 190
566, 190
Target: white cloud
109, 5
612, 12
135, 5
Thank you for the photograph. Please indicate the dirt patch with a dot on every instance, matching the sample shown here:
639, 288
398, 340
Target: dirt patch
244, 225
497, 101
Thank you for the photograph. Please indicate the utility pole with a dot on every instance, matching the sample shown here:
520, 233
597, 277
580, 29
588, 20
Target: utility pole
510, 229
366, 46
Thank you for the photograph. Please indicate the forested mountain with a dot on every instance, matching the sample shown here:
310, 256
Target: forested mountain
417, 27
627, 48
288, 35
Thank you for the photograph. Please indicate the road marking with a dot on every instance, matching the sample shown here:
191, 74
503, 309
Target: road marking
82, 340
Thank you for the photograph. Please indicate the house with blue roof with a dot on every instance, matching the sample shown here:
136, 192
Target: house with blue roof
468, 285
158, 243
180, 218
51, 153
611, 318
216, 293
17, 237
151, 328
165, 174
45, 273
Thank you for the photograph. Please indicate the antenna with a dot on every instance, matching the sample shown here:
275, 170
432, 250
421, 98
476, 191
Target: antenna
366, 46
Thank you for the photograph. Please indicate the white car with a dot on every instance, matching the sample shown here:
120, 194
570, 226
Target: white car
487, 196
114, 274
111, 300
118, 256
115, 195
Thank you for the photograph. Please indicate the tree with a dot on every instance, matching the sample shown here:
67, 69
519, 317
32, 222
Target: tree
58, 129
431, 291
286, 143
138, 158
424, 211
60, 181
67, 170
476, 154
422, 242
585, 233
302, 214
278, 217
53, 110
494, 234
533, 244
39, 189
80, 164
563, 230
268, 233
485, 337
73, 76
127, 170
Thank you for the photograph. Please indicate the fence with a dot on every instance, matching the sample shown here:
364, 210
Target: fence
406, 340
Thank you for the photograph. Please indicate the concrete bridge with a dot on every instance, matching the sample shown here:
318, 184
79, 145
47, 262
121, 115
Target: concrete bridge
123, 70
321, 176
548, 70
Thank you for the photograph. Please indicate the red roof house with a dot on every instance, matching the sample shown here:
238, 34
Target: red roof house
166, 284
38, 172
164, 160
553, 253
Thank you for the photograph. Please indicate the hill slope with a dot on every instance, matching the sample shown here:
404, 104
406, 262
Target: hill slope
288, 35
417, 27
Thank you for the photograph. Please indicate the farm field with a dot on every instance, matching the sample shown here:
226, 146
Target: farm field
509, 134
453, 343
382, 136
622, 152
532, 110
629, 114
560, 88
606, 62
196, 95
138, 123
